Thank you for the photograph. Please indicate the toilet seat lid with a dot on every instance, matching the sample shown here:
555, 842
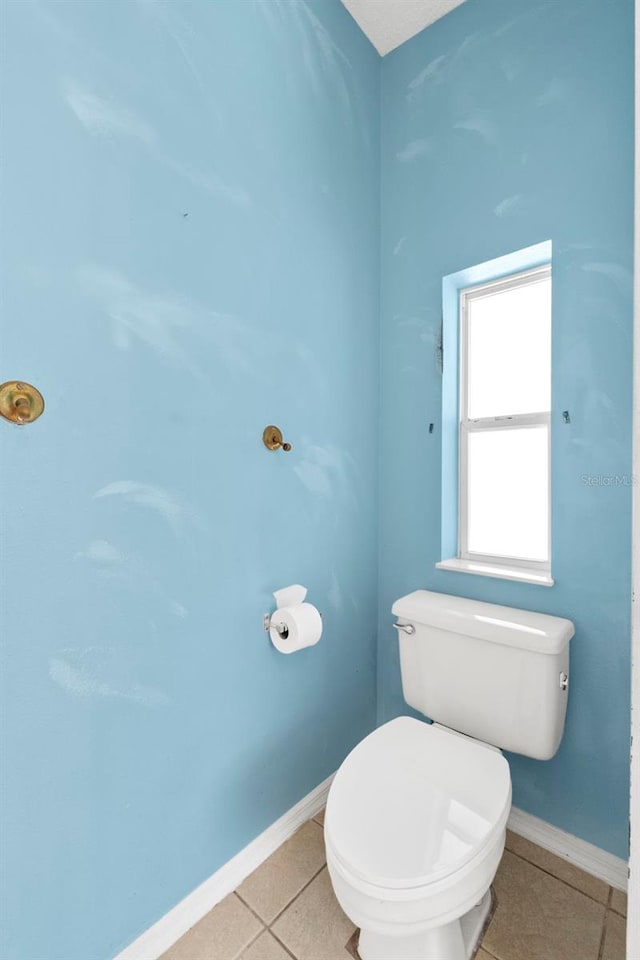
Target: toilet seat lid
414, 802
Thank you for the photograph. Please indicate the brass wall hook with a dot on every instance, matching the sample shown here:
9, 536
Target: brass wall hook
272, 438
20, 402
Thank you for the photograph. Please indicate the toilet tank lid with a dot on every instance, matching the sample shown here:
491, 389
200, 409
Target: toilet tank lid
538, 632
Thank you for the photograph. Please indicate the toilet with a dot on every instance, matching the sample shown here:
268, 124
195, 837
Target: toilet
416, 815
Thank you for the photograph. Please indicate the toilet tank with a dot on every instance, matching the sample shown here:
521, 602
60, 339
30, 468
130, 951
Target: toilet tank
495, 673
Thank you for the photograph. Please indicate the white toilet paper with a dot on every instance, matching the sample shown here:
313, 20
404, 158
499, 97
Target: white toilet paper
289, 596
303, 626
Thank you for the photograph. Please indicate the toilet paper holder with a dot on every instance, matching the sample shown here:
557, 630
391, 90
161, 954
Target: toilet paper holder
267, 623
295, 623
293, 594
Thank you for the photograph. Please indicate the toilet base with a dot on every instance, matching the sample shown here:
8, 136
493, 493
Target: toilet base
452, 941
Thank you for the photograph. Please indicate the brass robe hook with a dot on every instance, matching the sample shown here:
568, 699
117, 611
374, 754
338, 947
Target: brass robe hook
20, 402
272, 438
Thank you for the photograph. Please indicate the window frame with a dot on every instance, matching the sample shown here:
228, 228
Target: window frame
467, 425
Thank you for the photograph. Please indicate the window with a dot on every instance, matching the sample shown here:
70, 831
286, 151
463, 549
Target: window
504, 414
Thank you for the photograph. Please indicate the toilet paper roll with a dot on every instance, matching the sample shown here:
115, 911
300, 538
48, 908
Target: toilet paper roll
303, 626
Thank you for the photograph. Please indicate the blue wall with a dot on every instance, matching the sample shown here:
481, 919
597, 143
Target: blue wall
508, 123
190, 245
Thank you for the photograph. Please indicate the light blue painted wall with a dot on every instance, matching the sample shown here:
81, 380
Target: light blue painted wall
189, 252
508, 123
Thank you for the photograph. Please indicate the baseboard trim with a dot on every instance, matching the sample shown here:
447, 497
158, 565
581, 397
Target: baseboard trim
174, 924
613, 870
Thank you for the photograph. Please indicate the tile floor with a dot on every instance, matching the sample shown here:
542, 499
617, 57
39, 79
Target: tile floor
547, 910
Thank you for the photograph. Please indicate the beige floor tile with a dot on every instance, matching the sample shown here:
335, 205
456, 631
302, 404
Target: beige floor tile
265, 947
618, 901
558, 867
319, 817
540, 918
221, 935
277, 881
615, 938
483, 955
314, 927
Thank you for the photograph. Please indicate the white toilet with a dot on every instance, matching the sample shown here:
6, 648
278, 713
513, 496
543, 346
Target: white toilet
416, 815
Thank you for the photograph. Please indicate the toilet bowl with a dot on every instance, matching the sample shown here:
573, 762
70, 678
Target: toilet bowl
414, 831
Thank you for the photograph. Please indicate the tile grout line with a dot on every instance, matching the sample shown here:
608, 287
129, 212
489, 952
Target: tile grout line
300, 891
603, 935
265, 928
243, 949
488, 952
250, 908
282, 943
560, 880
267, 924
622, 916
239, 956
605, 924
290, 904
611, 907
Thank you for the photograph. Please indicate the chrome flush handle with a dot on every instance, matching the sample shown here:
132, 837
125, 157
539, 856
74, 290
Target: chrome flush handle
405, 627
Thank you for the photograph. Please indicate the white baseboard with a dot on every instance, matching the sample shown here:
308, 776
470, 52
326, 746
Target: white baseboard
599, 863
163, 934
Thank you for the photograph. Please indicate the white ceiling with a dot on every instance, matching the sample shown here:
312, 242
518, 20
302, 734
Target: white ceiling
388, 23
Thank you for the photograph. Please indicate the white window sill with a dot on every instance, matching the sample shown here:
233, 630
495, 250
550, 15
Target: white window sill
501, 572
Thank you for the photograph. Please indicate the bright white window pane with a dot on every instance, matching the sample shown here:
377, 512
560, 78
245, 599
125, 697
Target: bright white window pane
509, 351
508, 493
